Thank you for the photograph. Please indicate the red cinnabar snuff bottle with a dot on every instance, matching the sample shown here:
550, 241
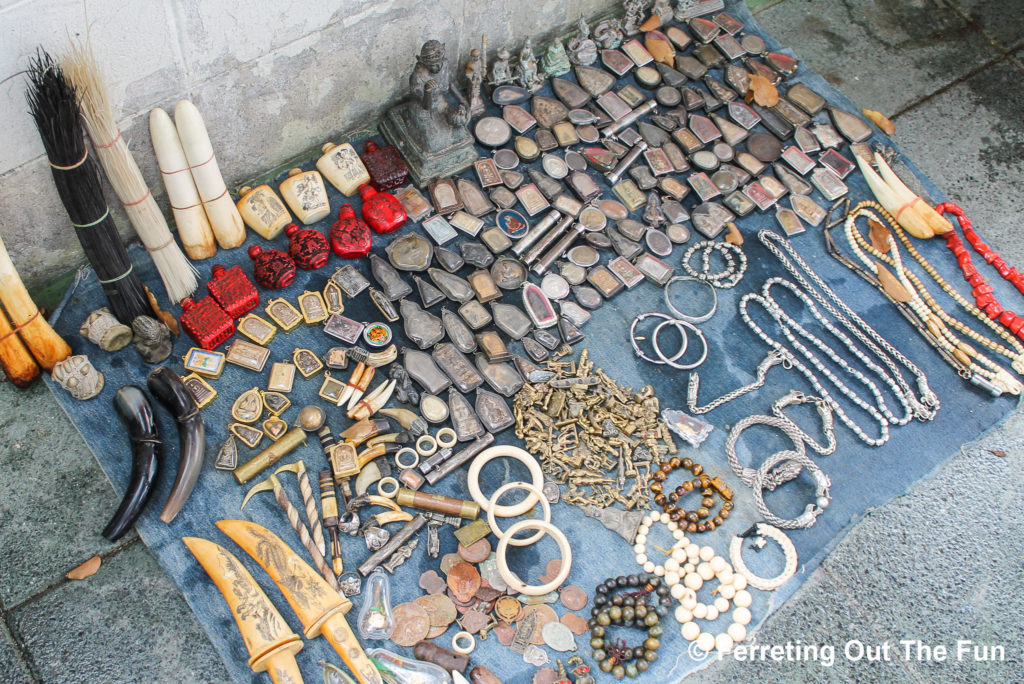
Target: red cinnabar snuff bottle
308, 247
233, 290
385, 165
381, 210
205, 322
272, 268
350, 236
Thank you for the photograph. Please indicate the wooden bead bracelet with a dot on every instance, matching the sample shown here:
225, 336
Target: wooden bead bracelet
695, 521
630, 608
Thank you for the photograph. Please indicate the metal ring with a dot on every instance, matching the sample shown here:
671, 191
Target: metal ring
407, 450
428, 450
636, 347
463, 636
672, 361
686, 317
391, 482
446, 437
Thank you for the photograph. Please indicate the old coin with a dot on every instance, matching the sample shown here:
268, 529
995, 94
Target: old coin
545, 614
575, 623
463, 580
551, 492
439, 608
573, 597
545, 675
476, 552
411, 624
449, 560
508, 609
436, 632
432, 583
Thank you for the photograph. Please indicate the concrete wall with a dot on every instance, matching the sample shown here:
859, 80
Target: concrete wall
273, 79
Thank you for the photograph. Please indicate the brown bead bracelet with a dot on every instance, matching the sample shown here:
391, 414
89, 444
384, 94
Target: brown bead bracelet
695, 521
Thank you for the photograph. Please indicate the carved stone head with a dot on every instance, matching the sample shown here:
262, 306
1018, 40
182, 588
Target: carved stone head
79, 377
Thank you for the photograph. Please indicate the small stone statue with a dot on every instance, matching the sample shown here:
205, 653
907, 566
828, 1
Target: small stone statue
400, 555
79, 377
583, 50
101, 328
152, 339
555, 62
527, 74
663, 8
405, 391
608, 34
501, 73
432, 65
634, 16
475, 76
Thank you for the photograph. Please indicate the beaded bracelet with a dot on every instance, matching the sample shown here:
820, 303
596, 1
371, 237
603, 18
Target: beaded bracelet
765, 532
630, 608
731, 590
695, 521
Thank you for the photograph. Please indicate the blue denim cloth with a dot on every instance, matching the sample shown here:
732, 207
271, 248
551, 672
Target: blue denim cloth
862, 477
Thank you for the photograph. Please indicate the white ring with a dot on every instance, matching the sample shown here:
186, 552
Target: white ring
499, 451
762, 583
516, 584
492, 503
446, 437
463, 636
388, 481
407, 450
426, 451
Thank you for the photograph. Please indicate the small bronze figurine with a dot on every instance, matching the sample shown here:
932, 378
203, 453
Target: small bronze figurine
501, 73
527, 74
583, 50
555, 62
475, 73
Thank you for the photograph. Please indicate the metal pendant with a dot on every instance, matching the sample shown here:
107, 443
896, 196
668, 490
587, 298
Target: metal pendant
548, 111
571, 273
572, 311
774, 122
805, 98
534, 349
227, 455
247, 407
737, 78
799, 161
350, 280
475, 201
653, 268
342, 328
547, 339
658, 242
709, 219
248, 435
433, 409
460, 335
805, 140
828, 184
807, 209
569, 93
275, 402
852, 127
429, 294
569, 332
758, 195
643, 178
750, 163
453, 287
518, 118
464, 421
492, 346
495, 240
794, 183
503, 378
554, 286
475, 315
484, 286
729, 46
789, 221
508, 273
604, 281
493, 411
306, 362
282, 375
738, 203
622, 245
625, 271
588, 297
547, 185
836, 163
595, 81
791, 113
467, 223
457, 367
444, 196
410, 252
532, 199
383, 304
773, 187
567, 204
526, 148
448, 260
826, 135
508, 94
613, 105
510, 319
387, 277
421, 368
422, 327
615, 61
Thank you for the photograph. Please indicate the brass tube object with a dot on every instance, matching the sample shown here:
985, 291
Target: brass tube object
549, 239
534, 233
397, 539
471, 450
271, 455
438, 503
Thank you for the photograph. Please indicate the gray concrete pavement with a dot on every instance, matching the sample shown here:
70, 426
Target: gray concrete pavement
941, 563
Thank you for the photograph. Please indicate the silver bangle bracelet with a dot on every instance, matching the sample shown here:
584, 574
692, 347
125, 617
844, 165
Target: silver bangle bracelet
812, 510
687, 317
671, 361
661, 360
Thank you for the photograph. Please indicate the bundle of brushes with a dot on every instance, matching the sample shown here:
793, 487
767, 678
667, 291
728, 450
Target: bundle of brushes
54, 107
177, 273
